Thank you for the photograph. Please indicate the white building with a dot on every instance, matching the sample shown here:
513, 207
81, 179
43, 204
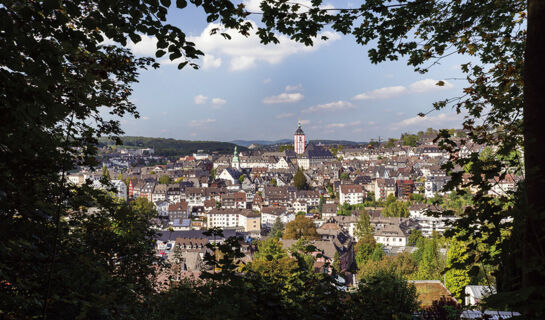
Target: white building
392, 236
351, 194
244, 219
120, 188
474, 294
270, 214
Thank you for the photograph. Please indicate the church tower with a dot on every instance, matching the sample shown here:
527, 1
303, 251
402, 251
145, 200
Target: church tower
299, 140
236, 161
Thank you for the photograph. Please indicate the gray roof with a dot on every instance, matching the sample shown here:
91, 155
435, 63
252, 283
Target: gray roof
166, 235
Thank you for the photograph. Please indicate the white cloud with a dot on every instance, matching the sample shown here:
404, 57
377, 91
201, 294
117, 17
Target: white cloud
268, 80
421, 86
284, 115
342, 124
145, 118
146, 47
451, 119
217, 102
305, 122
200, 99
242, 63
202, 122
211, 62
428, 85
283, 98
246, 52
332, 106
296, 87
382, 93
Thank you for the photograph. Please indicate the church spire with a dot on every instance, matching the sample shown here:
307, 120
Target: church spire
299, 140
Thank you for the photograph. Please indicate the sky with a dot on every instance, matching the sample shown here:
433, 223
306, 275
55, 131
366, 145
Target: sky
245, 90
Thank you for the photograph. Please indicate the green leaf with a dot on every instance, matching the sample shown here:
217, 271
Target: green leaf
182, 65
160, 53
181, 4
135, 37
165, 3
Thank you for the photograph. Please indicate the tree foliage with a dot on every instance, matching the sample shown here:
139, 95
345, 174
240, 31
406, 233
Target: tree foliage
390, 143
277, 228
299, 180
364, 248
168, 147
165, 179
409, 139
382, 289
428, 259
300, 227
363, 226
395, 208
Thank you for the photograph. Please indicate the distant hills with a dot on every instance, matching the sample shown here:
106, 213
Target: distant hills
247, 143
174, 147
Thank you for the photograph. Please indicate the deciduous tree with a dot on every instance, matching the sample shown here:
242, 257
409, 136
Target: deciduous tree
300, 227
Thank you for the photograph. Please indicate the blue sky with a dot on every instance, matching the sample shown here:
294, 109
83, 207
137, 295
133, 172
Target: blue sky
248, 91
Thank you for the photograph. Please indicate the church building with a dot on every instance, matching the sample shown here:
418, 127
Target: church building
311, 154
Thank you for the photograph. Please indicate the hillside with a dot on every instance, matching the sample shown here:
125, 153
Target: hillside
174, 147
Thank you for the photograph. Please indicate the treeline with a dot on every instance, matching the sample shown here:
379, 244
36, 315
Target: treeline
172, 147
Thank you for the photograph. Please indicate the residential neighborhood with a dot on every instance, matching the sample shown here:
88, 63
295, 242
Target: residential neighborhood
248, 193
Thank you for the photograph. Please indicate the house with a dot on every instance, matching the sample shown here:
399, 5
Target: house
429, 224
310, 197
351, 194
179, 210
231, 175
404, 188
429, 291
300, 206
243, 219
147, 190
329, 210
392, 236
209, 205
434, 185
270, 214
233, 200
347, 223
162, 208
384, 188
174, 193
119, 188
341, 246
196, 196
474, 294
159, 193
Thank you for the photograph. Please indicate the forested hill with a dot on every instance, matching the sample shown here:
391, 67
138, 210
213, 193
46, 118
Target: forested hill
288, 141
173, 147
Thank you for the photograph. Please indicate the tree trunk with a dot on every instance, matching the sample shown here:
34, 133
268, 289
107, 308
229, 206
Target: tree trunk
534, 158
